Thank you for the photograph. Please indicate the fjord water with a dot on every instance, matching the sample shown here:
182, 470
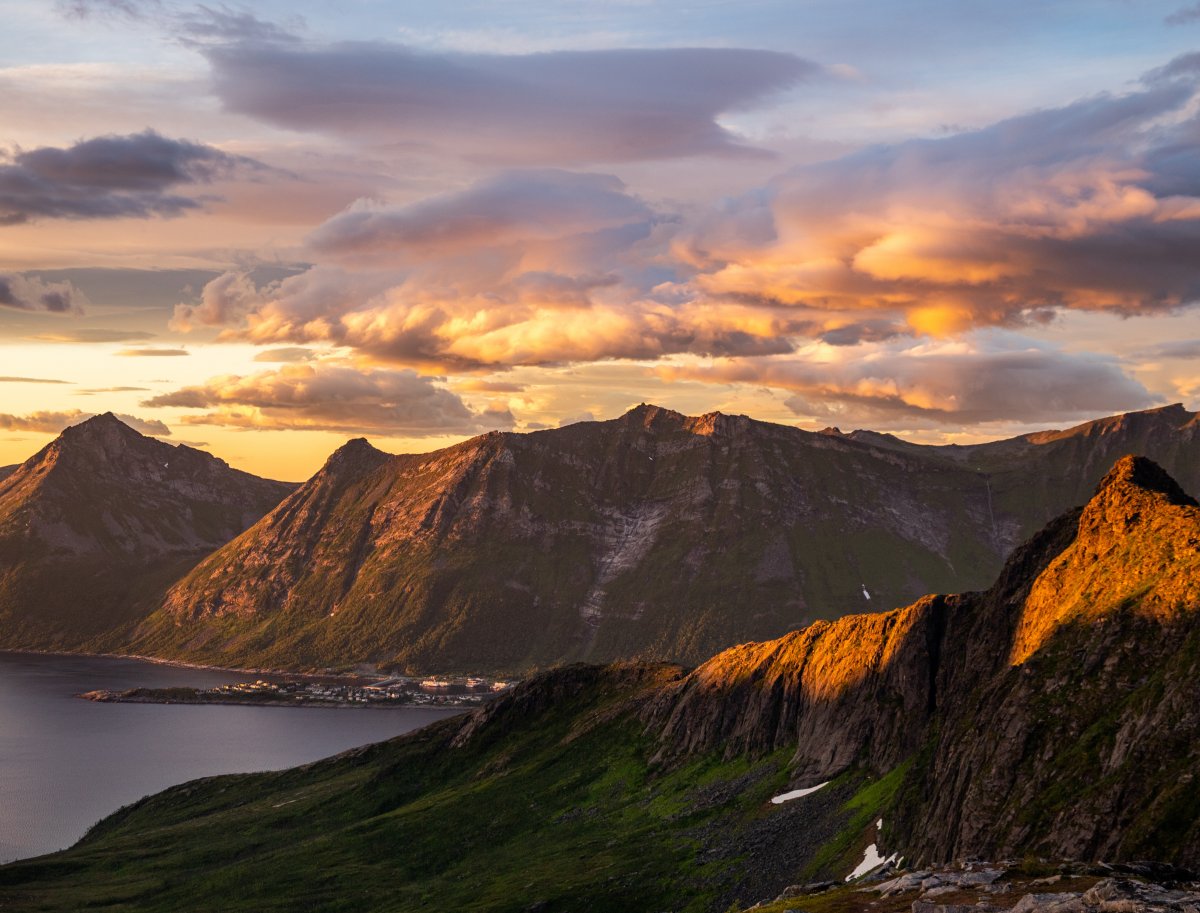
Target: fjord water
65, 762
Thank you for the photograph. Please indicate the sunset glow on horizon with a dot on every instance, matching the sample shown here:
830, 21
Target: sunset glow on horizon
951, 221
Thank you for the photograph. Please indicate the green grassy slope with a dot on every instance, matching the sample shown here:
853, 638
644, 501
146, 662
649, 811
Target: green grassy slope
559, 808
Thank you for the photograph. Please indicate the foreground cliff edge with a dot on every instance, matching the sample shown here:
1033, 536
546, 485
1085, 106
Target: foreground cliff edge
1056, 714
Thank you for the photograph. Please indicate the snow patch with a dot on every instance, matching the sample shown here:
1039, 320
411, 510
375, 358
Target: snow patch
865, 593
796, 794
871, 859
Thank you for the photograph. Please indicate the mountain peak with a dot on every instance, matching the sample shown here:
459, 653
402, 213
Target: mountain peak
647, 415
1133, 474
357, 455
1135, 539
103, 424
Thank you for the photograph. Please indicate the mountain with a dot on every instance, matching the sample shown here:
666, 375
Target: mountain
96, 526
655, 535
1053, 715
1053, 470
6, 471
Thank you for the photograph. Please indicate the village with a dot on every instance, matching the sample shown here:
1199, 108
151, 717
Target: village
397, 691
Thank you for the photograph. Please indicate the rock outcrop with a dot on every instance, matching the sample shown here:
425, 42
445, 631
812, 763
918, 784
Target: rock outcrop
1055, 713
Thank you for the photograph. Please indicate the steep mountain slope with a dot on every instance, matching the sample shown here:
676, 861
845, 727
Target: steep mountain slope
653, 536
6, 471
100, 522
1053, 714
1037, 476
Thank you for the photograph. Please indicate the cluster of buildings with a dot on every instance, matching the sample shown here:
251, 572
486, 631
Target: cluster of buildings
397, 690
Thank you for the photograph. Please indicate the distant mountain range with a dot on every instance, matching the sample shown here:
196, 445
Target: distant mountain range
652, 536
1052, 716
95, 526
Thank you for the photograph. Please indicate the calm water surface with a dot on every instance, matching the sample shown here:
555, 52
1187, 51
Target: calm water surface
65, 762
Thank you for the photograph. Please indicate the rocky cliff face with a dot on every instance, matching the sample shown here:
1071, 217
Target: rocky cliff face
1055, 713
654, 535
94, 527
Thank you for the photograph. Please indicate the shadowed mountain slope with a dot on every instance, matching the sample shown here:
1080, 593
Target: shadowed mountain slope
655, 535
1053, 714
96, 525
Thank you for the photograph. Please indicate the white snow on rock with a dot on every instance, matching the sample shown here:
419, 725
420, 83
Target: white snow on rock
865, 593
871, 859
796, 794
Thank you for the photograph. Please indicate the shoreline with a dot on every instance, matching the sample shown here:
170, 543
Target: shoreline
327, 705
182, 664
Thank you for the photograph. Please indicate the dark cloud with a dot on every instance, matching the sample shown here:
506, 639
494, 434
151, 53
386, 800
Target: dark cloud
29, 293
109, 9
1184, 15
54, 422
224, 25
152, 353
199, 24
325, 397
565, 107
110, 177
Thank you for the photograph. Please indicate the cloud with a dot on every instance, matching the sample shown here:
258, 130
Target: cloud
1184, 15
111, 177
93, 391
565, 107
223, 300
223, 25
1178, 348
108, 9
31, 380
93, 335
29, 293
990, 376
288, 354
878, 261
325, 397
152, 353
524, 268
516, 207
54, 422
1091, 206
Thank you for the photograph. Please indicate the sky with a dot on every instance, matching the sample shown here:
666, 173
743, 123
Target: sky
264, 229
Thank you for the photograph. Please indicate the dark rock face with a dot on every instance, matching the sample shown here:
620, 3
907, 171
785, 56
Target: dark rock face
653, 536
1056, 713
95, 526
